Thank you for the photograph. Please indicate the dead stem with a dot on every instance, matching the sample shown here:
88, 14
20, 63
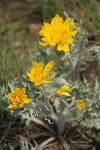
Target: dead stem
7, 131
42, 145
65, 145
81, 142
38, 121
83, 135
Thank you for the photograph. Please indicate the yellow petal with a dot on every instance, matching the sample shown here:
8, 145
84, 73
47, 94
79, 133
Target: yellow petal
67, 23
28, 100
75, 31
66, 48
38, 83
31, 76
20, 105
48, 68
11, 106
60, 47
23, 90
40, 69
71, 26
43, 43
46, 25
33, 69
37, 67
64, 93
65, 88
52, 44
44, 39
17, 90
70, 40
28, 74
9, 95
57, 22
47, 80
51, 76
63, 47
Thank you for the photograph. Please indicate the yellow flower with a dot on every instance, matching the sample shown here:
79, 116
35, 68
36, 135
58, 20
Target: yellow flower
63, 90
80, 105
59, 33
38, 73
18, 98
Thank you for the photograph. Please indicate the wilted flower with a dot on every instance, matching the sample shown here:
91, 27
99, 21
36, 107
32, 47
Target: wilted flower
18, 98
80, 105
63, 90
38, 73
59, 33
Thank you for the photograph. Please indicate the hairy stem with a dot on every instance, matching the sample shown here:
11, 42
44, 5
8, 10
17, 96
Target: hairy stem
48, 104
74, 68
60, 124
60, 121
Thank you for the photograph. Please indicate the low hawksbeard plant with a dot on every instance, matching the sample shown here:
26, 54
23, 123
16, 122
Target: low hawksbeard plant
51, 93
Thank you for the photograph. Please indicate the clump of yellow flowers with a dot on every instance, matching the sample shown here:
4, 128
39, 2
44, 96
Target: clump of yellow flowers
60, 103
59, 33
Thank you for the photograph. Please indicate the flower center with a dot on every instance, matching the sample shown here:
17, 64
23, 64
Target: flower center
81, 105
39, 77
17, 99
58, 37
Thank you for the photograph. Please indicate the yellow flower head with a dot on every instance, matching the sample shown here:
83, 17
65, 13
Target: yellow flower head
80, 105
59, 33
18, 97
38, 73
63, 90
